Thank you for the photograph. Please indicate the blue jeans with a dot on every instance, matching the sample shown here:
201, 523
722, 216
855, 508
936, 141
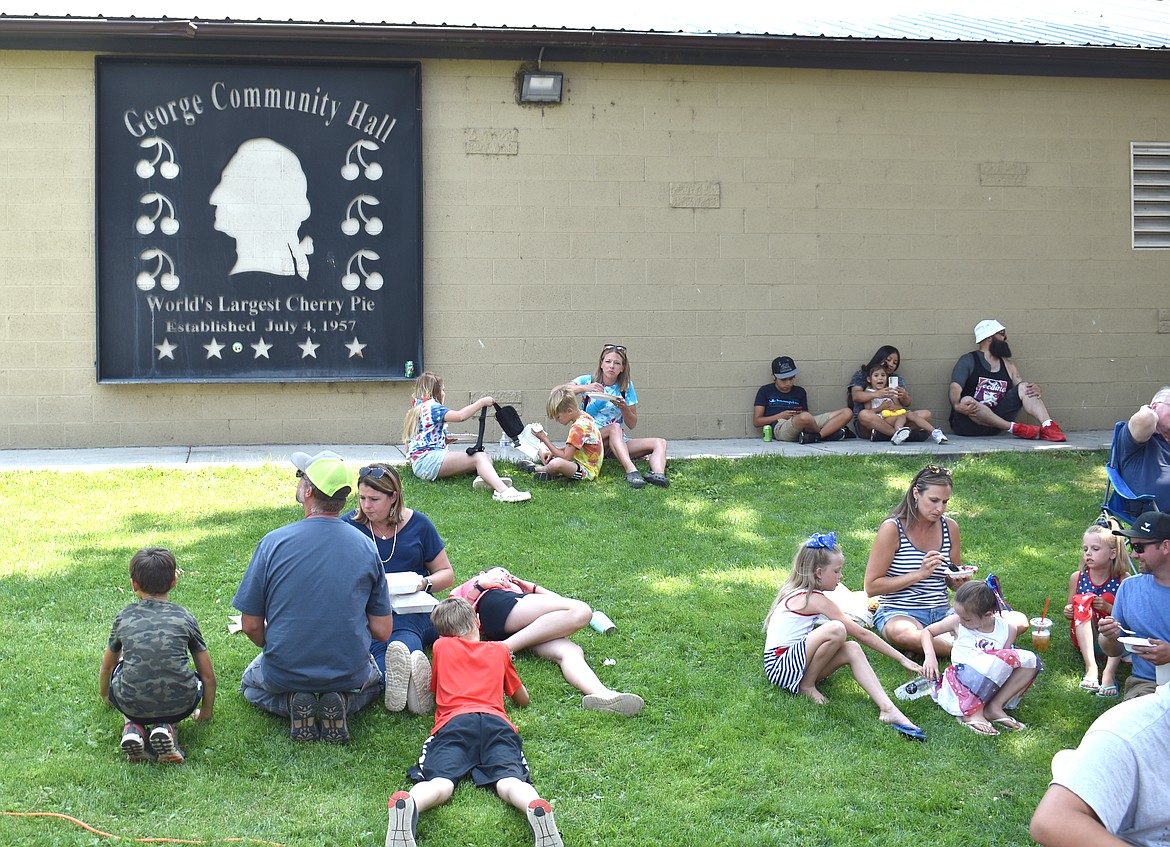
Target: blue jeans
415, 630
258, 694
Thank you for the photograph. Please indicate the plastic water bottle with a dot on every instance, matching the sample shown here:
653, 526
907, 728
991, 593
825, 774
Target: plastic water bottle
912, 690
504, 445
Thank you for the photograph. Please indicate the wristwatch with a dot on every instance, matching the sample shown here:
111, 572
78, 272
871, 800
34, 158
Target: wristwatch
430, 585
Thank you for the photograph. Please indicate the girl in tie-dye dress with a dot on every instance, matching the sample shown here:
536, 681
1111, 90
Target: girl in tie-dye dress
987, 675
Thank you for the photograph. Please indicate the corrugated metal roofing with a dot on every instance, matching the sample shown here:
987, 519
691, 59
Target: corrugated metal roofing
1121, 23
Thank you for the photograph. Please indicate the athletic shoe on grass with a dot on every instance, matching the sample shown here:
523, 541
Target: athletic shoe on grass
511, 495
617, 702
544, 828
481, 484
302, 716
397, 676
134, 742
419, 697
403, 826
164, 739
331, 717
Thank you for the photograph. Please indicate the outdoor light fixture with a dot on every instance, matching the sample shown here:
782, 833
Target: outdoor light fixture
541, 86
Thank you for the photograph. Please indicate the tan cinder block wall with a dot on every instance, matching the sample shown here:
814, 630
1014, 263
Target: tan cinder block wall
707, 218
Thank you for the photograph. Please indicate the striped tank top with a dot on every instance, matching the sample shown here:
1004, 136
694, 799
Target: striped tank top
929, 593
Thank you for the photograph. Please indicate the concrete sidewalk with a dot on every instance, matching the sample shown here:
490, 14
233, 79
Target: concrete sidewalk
729, 448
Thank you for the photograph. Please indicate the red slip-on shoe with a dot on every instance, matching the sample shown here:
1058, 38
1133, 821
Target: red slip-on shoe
1052, 432
1020, 430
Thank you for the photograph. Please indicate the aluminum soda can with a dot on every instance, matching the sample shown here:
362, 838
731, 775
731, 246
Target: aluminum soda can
601, 622
409, 369
767, 432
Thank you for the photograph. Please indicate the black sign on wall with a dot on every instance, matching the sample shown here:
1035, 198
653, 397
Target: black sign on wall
258, 221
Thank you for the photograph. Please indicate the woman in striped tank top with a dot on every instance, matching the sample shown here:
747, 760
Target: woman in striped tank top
907, 567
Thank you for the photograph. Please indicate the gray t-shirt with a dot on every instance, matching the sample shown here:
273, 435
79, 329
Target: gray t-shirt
1122, 768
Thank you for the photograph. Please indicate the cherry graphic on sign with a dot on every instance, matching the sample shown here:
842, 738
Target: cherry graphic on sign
145, 167
146, 279
145, 223
353, 280
351, 224
350, 169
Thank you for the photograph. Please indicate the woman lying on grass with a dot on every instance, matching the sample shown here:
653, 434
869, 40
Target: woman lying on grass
797, 657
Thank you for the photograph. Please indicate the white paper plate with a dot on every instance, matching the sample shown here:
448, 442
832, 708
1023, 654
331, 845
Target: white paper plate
1131, 641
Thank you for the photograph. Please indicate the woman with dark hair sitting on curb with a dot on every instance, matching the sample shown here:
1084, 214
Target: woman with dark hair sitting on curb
868, 421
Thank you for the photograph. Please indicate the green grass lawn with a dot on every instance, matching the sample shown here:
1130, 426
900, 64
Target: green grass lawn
718, 756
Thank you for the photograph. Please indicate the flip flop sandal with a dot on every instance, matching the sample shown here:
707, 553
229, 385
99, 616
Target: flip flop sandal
1010, 724
979, 727
908, 731
1108, 691
1089, 685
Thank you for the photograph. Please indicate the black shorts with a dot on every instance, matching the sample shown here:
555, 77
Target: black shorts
480, 745
1008, 408
494, 607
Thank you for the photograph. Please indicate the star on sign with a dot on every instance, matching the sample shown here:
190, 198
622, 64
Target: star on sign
213, 349
261, 348
308, 348
166, 350
355, 348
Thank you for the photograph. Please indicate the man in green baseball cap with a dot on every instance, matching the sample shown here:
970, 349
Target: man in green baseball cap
312, 598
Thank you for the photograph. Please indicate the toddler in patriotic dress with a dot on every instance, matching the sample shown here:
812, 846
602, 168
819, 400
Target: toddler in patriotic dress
987, 675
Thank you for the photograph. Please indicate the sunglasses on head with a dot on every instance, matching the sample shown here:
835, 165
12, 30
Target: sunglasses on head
937, 469
620, 348
300, 474
372, 473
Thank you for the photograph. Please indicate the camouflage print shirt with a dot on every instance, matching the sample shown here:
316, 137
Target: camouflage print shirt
154, 637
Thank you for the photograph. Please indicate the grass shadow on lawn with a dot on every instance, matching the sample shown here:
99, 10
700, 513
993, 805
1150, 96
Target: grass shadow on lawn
687, 573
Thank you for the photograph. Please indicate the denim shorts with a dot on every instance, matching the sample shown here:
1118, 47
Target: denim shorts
428, 465
924, 616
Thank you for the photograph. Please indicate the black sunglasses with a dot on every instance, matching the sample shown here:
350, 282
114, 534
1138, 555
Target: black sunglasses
300, 473
611, 347
373, 473
1140, 546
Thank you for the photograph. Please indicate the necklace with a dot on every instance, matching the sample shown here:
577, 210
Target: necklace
393, 546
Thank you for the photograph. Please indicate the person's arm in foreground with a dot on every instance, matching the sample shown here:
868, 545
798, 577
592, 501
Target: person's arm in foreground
253, 626
1065, 820
110, 659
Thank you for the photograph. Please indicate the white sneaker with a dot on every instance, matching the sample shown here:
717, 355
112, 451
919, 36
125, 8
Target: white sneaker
397, 676
480, 484
617, 702
900, 436
419, 697
511, 495
939, 436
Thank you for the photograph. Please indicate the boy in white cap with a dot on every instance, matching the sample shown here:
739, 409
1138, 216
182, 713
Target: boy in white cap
987, 391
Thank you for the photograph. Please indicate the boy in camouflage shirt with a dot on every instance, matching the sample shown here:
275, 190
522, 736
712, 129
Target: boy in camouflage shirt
144, 673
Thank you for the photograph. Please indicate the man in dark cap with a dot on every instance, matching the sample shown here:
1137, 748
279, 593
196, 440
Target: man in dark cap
1141, 609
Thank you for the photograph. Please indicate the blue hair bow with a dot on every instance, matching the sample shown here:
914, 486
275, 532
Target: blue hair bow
822, 540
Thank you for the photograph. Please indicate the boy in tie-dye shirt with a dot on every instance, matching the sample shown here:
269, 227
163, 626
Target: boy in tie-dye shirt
581, 456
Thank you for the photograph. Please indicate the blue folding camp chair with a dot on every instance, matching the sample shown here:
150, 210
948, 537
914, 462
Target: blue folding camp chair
1120, 502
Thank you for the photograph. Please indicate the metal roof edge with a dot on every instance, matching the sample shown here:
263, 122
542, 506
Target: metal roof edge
396, 41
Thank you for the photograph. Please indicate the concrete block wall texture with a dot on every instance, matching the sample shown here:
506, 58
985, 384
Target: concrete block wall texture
709, 218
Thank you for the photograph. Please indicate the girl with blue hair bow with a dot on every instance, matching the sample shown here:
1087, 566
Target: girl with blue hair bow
797, 657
